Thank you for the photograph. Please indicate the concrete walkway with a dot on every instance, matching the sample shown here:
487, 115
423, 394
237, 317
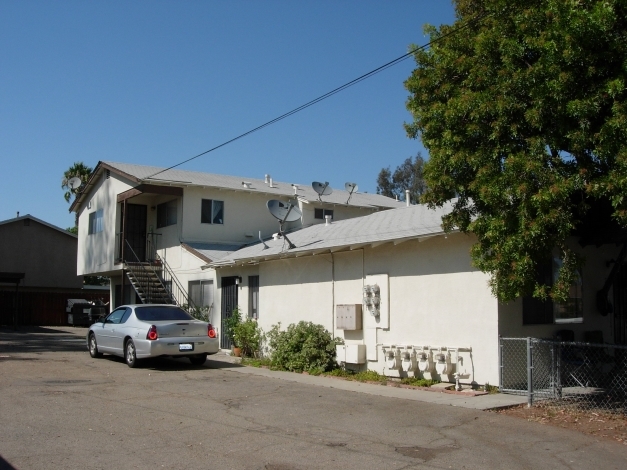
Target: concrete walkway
481, 402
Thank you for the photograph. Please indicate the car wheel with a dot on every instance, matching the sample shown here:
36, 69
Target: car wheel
130, 355
198, 360
93, 347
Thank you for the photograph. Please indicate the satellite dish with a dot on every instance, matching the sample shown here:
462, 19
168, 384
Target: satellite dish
351, 188
323, 189
284, 211
74, 183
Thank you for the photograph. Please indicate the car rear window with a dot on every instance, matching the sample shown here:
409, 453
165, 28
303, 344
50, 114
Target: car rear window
161, 314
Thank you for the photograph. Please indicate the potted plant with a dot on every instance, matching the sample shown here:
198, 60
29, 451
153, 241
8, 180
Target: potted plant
230, 326
247, 335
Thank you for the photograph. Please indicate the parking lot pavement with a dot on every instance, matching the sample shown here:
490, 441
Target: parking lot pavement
61, 409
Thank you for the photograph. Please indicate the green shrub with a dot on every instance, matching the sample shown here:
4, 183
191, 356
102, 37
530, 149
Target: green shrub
418, 382
302, 347
247, 336
370, 376
230, 324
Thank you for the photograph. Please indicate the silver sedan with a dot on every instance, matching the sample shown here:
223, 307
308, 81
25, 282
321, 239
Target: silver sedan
136, 332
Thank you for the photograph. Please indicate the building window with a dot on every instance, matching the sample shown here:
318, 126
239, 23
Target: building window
201, 293
321, 213
253, 296
95, 222
547, 312
166, 214
212, 212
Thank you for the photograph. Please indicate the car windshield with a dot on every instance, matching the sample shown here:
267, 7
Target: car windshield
161, 314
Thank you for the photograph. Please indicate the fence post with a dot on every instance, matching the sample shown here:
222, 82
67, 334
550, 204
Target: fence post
500, 363
529, 373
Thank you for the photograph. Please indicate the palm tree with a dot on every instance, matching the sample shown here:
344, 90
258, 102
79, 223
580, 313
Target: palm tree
80, 170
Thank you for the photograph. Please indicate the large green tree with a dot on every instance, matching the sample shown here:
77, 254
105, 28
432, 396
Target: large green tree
407, 176
524, 114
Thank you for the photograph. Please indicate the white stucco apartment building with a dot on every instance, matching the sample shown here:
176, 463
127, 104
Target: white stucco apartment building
434, 305
179, 221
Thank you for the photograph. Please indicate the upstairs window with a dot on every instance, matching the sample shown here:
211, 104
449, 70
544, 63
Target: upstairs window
166, 214
212, 212
95, 222
321, 213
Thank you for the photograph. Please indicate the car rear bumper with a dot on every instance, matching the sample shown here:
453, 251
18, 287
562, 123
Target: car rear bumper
172, 346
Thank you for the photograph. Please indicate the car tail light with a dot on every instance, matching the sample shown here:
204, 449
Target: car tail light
152, 333
211, 331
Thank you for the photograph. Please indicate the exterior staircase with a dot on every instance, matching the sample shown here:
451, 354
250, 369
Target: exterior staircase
146, 281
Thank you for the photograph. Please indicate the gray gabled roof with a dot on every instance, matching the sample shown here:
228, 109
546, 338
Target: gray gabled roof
28, 216
387, 226
210, 252
176, 177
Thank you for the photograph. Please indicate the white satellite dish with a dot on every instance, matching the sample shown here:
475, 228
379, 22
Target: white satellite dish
351, 188
284, 212
74, 183
323, 189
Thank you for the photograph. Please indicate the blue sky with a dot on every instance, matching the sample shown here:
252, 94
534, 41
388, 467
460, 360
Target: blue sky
157, 82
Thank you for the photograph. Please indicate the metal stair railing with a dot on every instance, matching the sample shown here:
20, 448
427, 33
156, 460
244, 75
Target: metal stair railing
176, 290
147, 281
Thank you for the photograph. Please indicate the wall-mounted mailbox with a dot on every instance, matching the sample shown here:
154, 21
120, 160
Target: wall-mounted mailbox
348, 316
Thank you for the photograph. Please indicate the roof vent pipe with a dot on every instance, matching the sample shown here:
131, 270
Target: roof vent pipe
271, 185
327, 219
267, 179
407, 197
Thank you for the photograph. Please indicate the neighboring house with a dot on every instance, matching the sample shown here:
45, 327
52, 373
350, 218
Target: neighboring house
432, 300
37, 272
150, 230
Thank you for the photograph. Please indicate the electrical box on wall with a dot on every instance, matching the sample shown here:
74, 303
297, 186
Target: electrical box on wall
348, 316
355, 354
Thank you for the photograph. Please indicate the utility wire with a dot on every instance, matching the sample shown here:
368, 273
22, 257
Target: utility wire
330, 93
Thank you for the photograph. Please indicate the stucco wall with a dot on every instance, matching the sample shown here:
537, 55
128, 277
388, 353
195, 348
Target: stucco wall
435, 299
47, 256
96, 252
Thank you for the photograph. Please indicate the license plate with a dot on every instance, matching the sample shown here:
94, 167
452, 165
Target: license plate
186, 347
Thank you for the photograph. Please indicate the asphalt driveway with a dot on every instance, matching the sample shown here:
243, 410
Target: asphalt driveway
61, 409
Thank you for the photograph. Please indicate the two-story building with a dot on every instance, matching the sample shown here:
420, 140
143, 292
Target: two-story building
150, 230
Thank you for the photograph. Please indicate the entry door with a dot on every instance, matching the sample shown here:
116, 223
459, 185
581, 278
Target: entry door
229, 303
136, 220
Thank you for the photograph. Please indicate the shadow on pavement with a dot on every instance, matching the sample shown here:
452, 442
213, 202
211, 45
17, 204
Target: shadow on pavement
41, 339
4, 465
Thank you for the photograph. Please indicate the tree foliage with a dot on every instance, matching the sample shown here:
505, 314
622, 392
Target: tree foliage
524, 116
78, 169
408, 175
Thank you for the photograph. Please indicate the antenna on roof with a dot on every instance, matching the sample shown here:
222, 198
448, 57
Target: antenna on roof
323, 189
74, 183
351, 188
284, 212
261, 240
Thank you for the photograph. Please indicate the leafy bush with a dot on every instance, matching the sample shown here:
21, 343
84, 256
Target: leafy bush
418, 382
230, 325
199, 313
302, 347
247, 335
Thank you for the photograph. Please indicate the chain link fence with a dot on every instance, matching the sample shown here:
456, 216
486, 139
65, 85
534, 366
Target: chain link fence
582, 375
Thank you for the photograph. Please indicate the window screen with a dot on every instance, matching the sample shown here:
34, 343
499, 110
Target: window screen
166, 214
212, 212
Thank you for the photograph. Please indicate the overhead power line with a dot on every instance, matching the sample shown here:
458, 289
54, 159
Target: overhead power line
330, 93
